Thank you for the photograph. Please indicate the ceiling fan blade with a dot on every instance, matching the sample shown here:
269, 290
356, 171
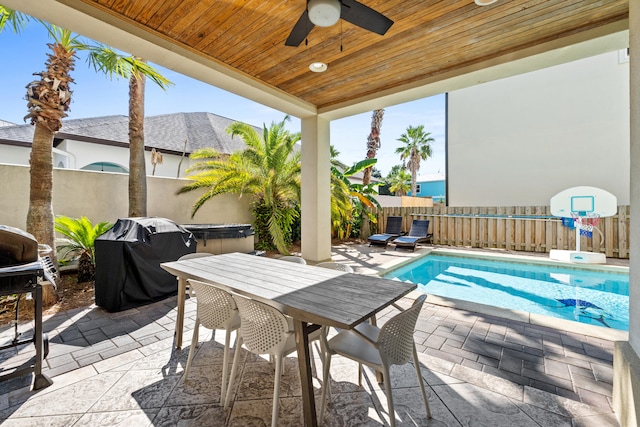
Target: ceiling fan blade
364, 17
300, 30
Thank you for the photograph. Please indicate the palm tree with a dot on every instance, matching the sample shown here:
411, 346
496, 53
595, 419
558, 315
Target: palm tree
16, 20
80, 243
417, 146
48, 102
49, 99
400, 183
268, 169
373, 142
136, 70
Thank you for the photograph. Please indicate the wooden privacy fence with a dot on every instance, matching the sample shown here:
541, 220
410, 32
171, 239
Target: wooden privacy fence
517, 228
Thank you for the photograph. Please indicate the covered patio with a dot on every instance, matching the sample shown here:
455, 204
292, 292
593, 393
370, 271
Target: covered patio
123, 369
433, 47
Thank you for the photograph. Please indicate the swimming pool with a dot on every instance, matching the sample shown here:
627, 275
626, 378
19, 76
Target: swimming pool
587, 296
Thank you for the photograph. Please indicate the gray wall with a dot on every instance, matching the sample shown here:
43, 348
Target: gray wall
103, 196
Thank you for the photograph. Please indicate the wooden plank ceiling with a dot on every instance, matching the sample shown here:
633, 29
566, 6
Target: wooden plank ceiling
428, 38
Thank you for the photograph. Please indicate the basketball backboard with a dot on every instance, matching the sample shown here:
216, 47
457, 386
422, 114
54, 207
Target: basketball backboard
584, 201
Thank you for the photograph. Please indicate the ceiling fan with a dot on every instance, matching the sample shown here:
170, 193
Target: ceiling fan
325, 13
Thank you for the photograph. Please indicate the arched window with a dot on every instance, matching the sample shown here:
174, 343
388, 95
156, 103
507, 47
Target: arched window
105, 167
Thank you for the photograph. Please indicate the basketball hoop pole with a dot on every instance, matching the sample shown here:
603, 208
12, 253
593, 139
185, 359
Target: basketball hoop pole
578, 226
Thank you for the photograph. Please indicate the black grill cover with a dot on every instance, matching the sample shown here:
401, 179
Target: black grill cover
128, 257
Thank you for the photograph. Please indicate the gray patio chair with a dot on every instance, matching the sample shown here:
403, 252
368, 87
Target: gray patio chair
216, 309
335, 266
265, 330
378, 348
293, 258
392, 231
419, 233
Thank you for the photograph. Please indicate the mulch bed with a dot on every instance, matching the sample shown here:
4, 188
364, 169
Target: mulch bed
71, 294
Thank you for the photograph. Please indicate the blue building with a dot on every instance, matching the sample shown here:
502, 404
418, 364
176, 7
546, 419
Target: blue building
433, 185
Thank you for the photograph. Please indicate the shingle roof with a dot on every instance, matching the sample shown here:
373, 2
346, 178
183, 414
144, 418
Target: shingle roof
165, 132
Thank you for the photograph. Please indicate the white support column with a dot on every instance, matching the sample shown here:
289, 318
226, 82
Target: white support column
634, 88
626, 363
316, 201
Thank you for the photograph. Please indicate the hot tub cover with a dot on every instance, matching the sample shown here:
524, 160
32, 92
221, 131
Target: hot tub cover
220, 231
128, 258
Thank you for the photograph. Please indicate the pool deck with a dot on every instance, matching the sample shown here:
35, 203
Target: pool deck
481, 367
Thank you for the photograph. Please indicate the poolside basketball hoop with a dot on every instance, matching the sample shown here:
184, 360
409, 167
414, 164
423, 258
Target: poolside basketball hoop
585, 223
585, 205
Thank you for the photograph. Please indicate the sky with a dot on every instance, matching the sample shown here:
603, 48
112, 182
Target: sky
95, 94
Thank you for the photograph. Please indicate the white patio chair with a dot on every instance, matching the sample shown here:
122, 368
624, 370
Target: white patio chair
216, 309
191, 256
293, 258
335, 266
265, 330
378, 348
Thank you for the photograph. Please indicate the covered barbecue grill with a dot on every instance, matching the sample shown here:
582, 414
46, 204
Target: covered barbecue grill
128, 257
21, 268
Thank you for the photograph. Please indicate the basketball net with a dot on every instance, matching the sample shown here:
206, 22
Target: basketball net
586, 223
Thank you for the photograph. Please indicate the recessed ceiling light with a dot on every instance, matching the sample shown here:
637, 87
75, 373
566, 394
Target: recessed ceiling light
318, 67
485, 2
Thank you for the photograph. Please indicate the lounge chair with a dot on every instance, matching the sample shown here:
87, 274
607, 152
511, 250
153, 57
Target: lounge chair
419, 233
392, 230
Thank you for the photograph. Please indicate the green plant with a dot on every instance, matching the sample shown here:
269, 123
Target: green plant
347, 219
268, 169
79, 244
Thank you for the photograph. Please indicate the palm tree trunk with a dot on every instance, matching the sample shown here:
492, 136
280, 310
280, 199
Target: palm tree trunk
40, 213
414, 182
373, 142
137, 163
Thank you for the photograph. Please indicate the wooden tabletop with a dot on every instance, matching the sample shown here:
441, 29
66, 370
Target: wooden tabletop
310, 294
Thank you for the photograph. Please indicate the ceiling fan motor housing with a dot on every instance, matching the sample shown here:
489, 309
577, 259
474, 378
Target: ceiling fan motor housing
324, 13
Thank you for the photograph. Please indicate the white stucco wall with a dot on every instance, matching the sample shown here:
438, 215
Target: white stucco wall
86, 153
15, 155
521, 140
103, 196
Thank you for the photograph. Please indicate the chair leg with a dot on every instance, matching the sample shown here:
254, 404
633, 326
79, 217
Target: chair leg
276, 391
225, 365
387, 386
419, 374
234, 368
194, 343
360, 374
326, 386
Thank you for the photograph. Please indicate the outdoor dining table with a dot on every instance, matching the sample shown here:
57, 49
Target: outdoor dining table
312, 296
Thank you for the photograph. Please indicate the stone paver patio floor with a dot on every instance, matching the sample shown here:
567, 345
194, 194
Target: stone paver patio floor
122, 368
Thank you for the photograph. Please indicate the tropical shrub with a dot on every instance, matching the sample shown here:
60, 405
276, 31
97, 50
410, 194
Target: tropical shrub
79, 244
268, 170
351, 202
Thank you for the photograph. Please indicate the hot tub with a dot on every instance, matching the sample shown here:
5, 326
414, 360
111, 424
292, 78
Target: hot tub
222, 238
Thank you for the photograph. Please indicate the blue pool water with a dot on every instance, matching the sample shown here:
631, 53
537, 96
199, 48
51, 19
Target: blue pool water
586, 296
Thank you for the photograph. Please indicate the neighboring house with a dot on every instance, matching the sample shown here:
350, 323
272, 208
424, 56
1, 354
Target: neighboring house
102, 143
433, 185
519, 141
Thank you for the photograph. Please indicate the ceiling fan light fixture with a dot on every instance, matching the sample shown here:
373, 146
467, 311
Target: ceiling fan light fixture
318, 67
485, 2
324, 13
